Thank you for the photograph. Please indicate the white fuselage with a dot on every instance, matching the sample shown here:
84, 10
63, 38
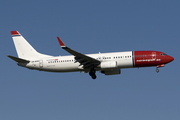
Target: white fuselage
69, 64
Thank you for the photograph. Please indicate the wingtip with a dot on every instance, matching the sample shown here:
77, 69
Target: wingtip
60, 42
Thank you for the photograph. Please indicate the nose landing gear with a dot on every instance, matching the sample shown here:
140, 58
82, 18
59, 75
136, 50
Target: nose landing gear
157, 70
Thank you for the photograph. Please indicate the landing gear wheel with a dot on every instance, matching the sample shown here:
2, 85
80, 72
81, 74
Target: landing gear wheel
93, 77
157, 70
92, 73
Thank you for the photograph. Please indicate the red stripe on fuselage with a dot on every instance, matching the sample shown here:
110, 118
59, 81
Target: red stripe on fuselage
150, 58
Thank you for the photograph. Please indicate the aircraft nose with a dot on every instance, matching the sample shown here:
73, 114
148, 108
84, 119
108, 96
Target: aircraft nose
170, 58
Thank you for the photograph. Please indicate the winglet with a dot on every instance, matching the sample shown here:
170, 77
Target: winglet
60, 42
15, 33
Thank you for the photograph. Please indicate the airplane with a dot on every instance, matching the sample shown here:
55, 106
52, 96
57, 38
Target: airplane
106, 63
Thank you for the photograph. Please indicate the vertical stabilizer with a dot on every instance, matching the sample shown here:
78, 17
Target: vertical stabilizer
24, 49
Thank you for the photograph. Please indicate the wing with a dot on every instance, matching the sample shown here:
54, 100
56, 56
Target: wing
84, 60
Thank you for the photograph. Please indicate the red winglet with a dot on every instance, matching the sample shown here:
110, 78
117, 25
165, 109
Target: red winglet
15, 33
60, 42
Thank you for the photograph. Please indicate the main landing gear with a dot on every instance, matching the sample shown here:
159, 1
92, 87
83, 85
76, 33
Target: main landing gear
92, 73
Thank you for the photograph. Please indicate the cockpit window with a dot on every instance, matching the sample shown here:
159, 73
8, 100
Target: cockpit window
163, 54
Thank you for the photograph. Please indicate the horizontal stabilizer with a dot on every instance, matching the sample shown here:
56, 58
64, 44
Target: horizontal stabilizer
19, 60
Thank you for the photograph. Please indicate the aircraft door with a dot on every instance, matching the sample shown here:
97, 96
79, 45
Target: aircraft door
40, 63
153, 55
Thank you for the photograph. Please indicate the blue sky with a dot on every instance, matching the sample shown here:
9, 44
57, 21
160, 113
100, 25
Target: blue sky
90, 27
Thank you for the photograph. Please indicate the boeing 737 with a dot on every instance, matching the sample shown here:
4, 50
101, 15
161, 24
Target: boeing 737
106, 63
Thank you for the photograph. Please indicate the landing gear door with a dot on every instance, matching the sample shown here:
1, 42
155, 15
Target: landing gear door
153, 55
40, 63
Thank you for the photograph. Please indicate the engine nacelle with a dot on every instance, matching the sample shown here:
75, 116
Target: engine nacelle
112, 72
108, 64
